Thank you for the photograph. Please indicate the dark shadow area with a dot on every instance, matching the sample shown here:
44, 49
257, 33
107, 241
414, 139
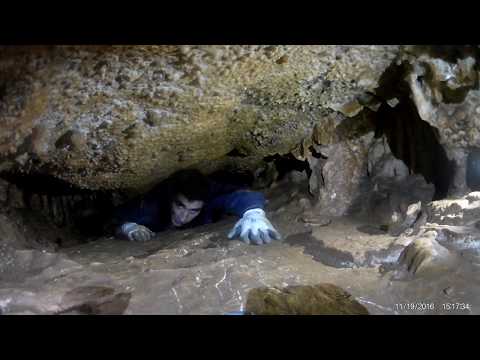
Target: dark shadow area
373, 229
95, 300
320, 252
42, 184
411, 139
236, 153
232, 177
415, 142
392, 84
68, 207
286, 163
473, 169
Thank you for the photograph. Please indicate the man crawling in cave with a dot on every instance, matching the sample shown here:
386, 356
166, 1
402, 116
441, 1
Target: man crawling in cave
187, 199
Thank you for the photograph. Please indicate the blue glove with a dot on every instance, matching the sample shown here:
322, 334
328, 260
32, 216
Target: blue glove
135, 232
254, 227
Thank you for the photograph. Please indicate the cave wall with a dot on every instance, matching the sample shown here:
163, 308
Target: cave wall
443, 82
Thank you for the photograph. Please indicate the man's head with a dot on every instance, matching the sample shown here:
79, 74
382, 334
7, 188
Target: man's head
190, 189
185, 210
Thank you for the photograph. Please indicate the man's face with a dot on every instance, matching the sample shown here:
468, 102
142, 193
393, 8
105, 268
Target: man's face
184, 210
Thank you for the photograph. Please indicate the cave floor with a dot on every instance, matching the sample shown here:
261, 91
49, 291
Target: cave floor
200, 271
204, 273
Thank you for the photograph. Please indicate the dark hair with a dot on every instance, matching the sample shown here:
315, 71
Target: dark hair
191, 183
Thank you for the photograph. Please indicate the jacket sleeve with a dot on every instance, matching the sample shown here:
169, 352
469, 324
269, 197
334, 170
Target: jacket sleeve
140, 211
237, 202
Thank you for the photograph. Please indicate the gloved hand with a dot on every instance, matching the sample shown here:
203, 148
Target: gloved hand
135, 232
254, 227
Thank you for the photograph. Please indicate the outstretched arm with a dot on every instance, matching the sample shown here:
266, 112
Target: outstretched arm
238, 202
133, 221
253, 227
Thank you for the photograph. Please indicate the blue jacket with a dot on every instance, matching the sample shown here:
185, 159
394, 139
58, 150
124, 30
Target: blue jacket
153, 209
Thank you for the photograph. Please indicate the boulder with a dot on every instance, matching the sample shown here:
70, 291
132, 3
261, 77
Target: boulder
321, 299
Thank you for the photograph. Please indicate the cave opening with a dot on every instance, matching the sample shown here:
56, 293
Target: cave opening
410, 138
77, 213
284, 164
416, 143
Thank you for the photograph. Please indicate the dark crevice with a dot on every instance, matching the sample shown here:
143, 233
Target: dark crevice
236, 153
473, 169
320, 252
392, 84
287, 163
415, 142
316, 154
65, 206
3, 91
233, 177
457, 96
42, 184
411, 139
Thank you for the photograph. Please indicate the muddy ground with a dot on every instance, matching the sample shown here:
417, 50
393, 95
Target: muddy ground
200, 271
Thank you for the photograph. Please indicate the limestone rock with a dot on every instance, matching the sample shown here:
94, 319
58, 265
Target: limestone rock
94, 300
40, 282
391, 192
383, 164
425, 255
444, 89
110, 117
457, 212
456, 222
411, 216
321, 299
11, 233
343, 173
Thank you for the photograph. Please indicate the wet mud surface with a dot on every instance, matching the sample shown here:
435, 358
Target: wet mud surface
320, 252
200, 271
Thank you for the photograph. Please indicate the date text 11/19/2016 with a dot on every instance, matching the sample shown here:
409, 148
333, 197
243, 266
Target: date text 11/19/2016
424, 306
